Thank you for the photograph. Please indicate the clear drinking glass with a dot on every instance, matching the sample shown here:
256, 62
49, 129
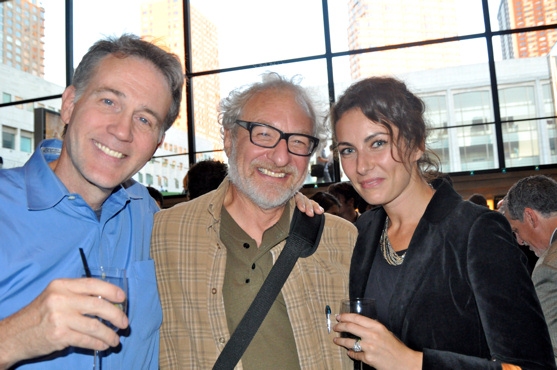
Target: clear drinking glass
116, 276
362, 306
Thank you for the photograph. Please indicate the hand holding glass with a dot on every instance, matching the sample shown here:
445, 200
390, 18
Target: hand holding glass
115, 276
362, 306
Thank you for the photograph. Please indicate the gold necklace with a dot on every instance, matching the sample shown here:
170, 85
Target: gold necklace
392, 257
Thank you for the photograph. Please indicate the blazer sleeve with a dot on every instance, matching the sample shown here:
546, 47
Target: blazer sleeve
545, 282
509, 310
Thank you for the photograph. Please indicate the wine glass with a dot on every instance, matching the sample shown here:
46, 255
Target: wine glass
361, 306
116, 276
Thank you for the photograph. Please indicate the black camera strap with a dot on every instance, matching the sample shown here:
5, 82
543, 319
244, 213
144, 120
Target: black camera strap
302, 241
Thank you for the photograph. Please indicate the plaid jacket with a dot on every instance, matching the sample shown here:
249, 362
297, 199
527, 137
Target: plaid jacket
190, 262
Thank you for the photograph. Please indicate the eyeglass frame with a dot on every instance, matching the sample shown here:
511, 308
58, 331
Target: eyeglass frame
283, 135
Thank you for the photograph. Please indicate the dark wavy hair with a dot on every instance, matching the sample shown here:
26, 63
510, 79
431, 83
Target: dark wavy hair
205, 176
388, 102
325, 200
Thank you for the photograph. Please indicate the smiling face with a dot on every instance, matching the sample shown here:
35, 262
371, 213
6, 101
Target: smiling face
268, 177
114, 126
371, 160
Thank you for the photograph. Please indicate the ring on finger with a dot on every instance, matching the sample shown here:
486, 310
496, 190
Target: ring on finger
357, 347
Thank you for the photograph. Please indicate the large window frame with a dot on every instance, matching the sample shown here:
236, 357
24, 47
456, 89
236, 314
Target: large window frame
497, 124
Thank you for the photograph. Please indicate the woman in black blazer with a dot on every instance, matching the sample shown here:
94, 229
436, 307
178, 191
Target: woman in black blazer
452, 289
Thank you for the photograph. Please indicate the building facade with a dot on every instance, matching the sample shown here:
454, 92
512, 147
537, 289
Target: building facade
522, 14
21, 78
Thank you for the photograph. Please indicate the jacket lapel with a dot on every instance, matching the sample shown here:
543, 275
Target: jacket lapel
424, 249
369, 224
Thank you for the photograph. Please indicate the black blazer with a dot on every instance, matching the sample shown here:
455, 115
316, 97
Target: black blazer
464, 296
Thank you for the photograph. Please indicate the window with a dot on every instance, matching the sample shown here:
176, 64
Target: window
26, 142
404, 38
8, 137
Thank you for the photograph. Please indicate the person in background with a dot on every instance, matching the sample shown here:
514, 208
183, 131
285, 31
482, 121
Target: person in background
351, 203
78, 193
531, 208
530, 255
213, 253
203, 177
451, 287
328, 201
478, 199
327, 161
156, 195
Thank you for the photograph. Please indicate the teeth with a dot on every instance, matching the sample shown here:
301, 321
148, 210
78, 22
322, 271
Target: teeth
109, 151
270, 173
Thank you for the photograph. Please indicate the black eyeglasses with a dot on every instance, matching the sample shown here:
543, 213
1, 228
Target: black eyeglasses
267, 136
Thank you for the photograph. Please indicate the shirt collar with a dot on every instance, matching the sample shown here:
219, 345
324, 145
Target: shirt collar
553, 238
44, 189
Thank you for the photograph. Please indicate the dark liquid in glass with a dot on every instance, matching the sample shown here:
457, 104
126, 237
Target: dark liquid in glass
347, 335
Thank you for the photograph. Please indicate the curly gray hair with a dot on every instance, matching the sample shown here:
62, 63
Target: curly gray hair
232, 106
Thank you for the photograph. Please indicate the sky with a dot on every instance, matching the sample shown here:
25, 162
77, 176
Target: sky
112, 17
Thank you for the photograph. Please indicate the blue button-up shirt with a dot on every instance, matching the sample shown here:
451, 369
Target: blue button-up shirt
42, 227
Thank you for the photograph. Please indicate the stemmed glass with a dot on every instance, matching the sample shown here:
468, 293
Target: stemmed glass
361, 306
115, 276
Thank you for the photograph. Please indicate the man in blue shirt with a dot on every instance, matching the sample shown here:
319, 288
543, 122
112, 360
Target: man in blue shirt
79, 194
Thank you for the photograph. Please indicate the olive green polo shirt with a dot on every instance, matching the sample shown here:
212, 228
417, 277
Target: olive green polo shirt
247, 266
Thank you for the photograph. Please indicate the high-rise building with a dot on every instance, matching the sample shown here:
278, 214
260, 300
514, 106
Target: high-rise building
22, 77
21, 36
527, 13
163, 21
373, 23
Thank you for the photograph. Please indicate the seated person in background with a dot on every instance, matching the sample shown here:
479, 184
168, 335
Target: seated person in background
351, 203
203, 177
157, 195
329, 202
478, 199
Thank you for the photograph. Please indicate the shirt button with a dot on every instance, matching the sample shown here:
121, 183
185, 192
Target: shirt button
214, 290
222, 340
253, 266
247, 281
71, 197
246, 245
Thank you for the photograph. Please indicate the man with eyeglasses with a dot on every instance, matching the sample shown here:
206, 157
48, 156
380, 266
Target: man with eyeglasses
212, 254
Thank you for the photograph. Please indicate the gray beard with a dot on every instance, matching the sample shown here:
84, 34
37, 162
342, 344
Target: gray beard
257, 195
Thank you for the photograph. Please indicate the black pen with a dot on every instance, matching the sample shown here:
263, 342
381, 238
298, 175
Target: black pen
328, 313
